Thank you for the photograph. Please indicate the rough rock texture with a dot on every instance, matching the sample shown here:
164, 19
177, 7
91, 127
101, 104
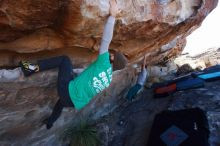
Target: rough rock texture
26, 102
207, 58
36, 29
131, 123
150, 27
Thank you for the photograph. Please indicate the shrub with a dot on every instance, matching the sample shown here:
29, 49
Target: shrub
83, 135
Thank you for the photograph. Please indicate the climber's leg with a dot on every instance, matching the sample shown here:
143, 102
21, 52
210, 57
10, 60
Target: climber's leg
45, 64
65, 75
133, 92
55, 114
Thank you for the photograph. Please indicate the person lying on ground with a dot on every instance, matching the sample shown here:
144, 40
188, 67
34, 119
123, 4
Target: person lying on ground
142, 76
78, 91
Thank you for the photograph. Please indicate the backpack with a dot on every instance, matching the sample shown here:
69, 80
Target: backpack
187, 127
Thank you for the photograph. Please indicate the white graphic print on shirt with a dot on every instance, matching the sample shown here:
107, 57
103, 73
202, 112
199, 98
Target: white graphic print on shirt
97, 84
101, 82
104, 78
109, 71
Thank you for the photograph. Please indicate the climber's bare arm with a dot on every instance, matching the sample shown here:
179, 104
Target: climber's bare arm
144, 64
143, 75
109, 27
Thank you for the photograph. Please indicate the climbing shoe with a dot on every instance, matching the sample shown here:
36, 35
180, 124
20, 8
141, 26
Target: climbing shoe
46, 122
129, 98
28, 68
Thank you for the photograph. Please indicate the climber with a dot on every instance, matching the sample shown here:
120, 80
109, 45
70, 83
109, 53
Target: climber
78, 91
142, 76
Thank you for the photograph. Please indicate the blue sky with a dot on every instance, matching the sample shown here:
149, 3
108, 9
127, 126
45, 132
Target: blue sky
207, 35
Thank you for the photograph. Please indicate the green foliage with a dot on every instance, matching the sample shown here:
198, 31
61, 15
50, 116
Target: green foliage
83, 135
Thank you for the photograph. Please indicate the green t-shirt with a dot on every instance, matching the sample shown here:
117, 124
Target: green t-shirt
91, 81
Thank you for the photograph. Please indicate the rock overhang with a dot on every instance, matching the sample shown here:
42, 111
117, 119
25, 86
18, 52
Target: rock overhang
47, 28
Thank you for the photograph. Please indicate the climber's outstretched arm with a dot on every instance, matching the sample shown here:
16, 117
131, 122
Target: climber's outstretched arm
143, 66
109, 27
143, 75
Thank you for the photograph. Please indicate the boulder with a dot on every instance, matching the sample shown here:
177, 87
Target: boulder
38, 28
26, 102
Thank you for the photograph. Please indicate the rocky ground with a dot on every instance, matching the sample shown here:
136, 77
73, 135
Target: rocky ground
130, 124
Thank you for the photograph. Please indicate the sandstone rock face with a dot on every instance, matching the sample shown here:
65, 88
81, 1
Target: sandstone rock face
26, 102
206, 59
36, 29
31, 26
